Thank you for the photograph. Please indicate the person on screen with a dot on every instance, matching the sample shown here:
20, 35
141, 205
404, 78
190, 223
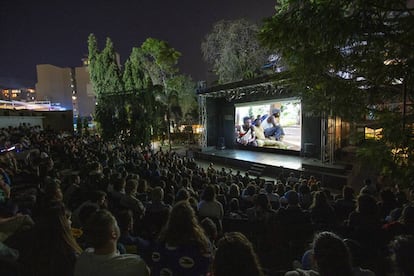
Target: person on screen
272, 127
261, 139
245, 133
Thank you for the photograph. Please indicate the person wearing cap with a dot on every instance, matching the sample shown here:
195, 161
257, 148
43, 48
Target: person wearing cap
272, 127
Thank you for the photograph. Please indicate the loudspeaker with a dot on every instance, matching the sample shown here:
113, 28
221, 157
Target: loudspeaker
309, 150
221, 143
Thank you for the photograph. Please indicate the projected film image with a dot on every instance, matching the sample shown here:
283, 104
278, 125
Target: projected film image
271, 124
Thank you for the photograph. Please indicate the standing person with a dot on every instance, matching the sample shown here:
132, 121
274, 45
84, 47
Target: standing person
102, 258
272, 127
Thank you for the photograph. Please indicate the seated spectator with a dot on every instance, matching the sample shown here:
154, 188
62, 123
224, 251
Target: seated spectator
262, 211
234, 211
183, 248
331, 257
305, 196
210, 207
181, 195
157, 201
234, 192
156, 214
387, 203
103, 259
235, 256
402, 248
130, 201
118, 191
12, 222
366, 213
369, 188
97, 198
50, 248
345, 205
356, 256
210, 229
404, 225
273, 197
293, 213
132, 243
322, 213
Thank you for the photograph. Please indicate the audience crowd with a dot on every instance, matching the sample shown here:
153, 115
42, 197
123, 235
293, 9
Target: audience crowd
76, 205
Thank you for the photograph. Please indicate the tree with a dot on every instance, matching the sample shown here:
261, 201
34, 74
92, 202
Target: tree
184, 103
233, 49
106, 79
348, 58
159, 61
140, 107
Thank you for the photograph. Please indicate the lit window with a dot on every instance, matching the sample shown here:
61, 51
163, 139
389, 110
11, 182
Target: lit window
371, 133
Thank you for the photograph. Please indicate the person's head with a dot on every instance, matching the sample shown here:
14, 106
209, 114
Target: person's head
292, 198
319, 200
125, 220
268, 187
210, 228
262, 201
182, 194
100, 198
402, 248
131, 187
209, 193
407, 215
235, 256
183, 228
52, 190
331, 255
234, 205
86, 211
348, 193
53, 228
247, 121
276, 112
257, 122
234, 191
157, 194
102, 229
118, 183
367, 205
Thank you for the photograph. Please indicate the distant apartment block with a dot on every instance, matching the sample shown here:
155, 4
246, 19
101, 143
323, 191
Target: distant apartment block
69, 87
18, 94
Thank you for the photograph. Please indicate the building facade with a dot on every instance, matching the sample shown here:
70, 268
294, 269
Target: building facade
68, 87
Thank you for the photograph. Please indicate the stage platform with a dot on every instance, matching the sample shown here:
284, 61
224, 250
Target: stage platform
275, 164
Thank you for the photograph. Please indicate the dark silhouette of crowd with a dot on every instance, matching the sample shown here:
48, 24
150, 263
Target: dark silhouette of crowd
77, 205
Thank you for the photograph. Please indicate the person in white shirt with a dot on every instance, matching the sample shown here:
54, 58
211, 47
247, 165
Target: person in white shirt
103, 259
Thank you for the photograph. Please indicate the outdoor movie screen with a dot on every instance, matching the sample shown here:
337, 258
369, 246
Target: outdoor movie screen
269, 124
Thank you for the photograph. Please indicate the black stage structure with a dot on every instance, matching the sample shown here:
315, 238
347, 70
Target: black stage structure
319, 134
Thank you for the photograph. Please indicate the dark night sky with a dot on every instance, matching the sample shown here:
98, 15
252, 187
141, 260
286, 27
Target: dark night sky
39, 32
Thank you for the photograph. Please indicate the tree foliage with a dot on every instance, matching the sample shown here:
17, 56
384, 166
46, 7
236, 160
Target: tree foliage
132, 103
233, 49
336, 50
350, 58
